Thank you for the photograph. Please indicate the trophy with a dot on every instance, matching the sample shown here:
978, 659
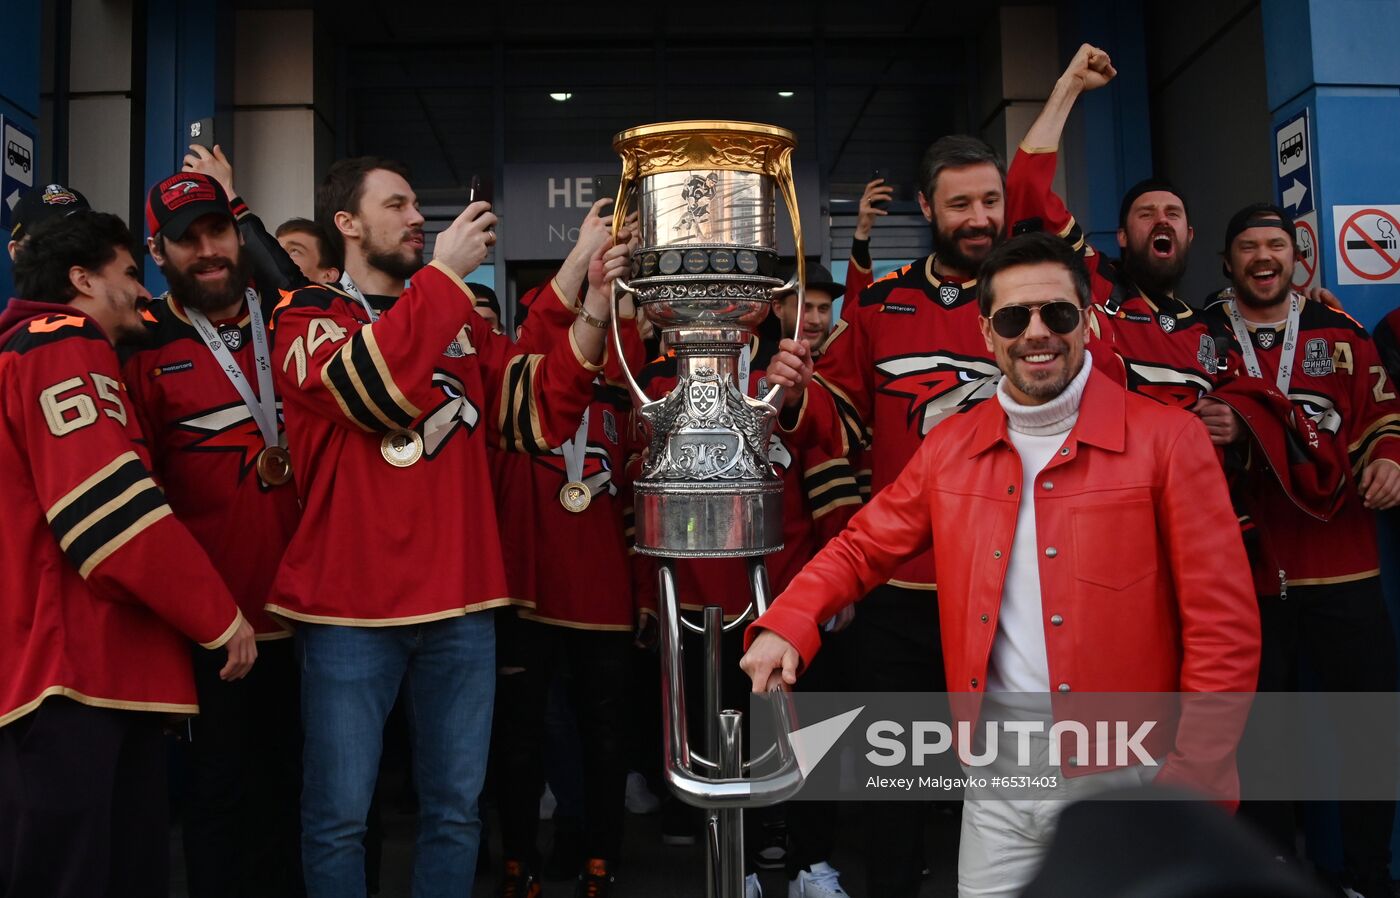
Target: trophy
704, 276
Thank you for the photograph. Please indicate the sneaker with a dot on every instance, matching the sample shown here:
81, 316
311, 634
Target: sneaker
640, 798
821, 880
595, 880
772, 854
518, 882
751, 887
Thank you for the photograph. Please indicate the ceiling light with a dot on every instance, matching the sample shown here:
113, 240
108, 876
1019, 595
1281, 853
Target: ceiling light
784, 94
561, 97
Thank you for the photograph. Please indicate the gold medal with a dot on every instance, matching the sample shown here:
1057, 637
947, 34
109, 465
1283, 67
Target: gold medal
575, 496
274, 465
401, 448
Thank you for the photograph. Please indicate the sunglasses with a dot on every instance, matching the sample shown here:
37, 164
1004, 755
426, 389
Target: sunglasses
1060, 316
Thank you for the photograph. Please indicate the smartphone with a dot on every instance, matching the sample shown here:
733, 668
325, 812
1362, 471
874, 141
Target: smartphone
479, 190
884, 175
202, 132
606, 186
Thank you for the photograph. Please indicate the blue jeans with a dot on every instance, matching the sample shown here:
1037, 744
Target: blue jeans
350, 677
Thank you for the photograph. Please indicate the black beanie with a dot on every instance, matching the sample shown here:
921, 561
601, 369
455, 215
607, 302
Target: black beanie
1146, 185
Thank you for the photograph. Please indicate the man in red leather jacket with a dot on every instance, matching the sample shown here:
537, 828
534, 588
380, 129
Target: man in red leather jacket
1105, 557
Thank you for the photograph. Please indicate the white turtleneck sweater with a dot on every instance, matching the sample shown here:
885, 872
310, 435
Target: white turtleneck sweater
1036, 432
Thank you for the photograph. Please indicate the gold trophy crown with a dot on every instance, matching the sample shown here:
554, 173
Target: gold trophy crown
705, 274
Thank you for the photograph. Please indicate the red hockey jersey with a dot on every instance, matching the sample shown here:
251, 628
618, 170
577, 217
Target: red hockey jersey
903, 358
380, 544
819, 497
566, 568
103, 586
204, 444
1340, 384
1168, 352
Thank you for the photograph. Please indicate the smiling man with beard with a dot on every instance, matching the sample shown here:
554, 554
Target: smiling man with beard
1318, 582
201, 385
1167, 352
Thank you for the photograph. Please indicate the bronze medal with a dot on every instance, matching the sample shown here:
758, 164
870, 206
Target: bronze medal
401, 448
274, 465
575, 496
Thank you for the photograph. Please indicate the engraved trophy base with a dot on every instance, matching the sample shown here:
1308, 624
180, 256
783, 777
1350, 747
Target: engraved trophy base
708, 520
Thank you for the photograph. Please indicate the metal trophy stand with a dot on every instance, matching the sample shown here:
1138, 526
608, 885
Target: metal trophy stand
705, 276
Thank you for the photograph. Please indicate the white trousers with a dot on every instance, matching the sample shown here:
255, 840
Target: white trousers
1004, 841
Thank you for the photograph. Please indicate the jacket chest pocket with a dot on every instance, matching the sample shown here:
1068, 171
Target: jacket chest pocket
1115, 544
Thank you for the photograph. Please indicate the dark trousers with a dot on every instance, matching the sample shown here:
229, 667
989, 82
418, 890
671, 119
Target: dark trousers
893, 645
83, 804
599, 662
1342, 633
812, 825
241, 814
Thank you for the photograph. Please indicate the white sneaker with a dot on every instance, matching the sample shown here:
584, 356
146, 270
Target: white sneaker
821, 881
640, 799
751, 887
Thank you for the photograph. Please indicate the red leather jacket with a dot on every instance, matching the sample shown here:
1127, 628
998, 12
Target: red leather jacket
1144, 582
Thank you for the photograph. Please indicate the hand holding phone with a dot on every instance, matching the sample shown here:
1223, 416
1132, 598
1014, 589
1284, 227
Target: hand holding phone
479, 190
201, 132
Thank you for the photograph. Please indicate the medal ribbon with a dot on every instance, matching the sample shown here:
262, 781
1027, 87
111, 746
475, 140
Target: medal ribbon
1290, 342
350, 287
263, 404
574, 451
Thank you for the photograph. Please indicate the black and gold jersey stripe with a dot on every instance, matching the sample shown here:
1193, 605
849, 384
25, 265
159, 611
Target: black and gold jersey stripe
105, 511
519, 421
1360, 451
846, 411
829, 486
363, 385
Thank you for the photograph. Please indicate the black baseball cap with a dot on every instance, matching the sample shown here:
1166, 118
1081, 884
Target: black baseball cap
1259, 215
43, 204
175, 203
818, 278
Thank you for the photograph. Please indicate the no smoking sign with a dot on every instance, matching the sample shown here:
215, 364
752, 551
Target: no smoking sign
1367, 240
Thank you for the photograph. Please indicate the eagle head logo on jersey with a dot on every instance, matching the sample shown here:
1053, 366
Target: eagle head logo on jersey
1320, 410
1171, 386
949, 293
938, 385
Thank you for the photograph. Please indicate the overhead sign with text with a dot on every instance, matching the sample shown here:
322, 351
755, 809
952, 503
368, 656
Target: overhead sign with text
1293, 165
543, 205
1367, 244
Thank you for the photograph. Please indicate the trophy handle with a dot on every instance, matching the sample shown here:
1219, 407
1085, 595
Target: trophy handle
789, 192
619, 286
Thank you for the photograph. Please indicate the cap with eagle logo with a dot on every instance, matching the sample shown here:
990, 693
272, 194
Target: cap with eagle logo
178, 201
